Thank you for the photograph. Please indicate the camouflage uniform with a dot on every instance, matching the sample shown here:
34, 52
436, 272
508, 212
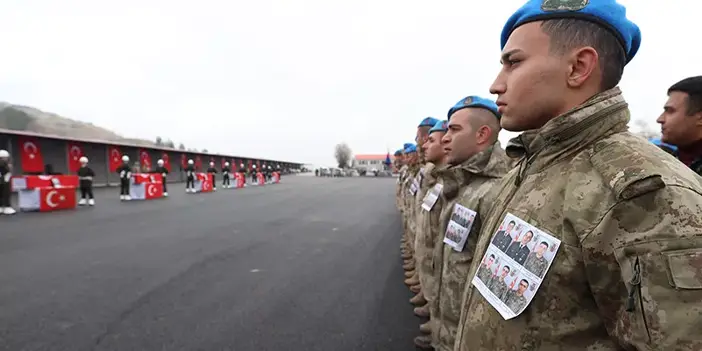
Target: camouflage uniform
428, 232
628, 273
468, 184
408, 200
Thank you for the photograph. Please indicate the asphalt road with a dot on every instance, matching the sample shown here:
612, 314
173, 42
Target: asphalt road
308, 264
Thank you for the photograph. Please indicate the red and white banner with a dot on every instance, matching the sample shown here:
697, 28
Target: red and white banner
30, 155
240, 179
146, 186
166, 161
145, 159
115, 158
261, 178
276, 177
47, 199
28, 182
203, 182
74, 152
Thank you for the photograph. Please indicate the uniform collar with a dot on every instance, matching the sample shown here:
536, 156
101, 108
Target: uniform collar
604, 114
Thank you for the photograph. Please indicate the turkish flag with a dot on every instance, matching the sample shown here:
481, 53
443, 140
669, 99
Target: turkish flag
166, 161
144, 159
198, 163
154, 191
75, 152
115, 158
32, 160
183, 161
52, 199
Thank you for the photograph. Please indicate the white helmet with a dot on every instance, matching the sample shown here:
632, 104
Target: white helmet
226, 164
160, 162
241, 165
4, 154
125, 158
190, 162
269, 166
254, 166
83, 160
211, 164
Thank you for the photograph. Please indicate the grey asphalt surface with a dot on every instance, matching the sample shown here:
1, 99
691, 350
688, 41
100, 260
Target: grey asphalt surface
308, 264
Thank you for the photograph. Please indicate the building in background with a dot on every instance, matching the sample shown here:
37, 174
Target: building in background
370, 162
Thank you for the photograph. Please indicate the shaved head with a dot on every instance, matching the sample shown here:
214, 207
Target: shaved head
470, 131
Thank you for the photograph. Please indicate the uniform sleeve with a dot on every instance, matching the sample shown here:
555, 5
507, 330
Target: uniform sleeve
644, 265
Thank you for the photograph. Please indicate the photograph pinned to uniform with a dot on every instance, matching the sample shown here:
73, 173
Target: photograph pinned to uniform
459, 227
528, 252
413, 187
432, 196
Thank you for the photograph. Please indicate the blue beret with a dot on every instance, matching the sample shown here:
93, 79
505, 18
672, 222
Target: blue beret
475, 102
660, 143
406, 145
398, 152
440, 126
411, 148
428, 122
607, 13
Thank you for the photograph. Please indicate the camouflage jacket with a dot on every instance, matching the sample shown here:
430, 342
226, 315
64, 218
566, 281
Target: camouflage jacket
428, 228
469, 185
412, 206
628, 272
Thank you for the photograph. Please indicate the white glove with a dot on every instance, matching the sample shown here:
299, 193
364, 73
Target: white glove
7, 177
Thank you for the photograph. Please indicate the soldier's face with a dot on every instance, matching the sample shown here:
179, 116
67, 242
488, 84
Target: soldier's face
527, 237
505, 271
532, 84
541, 249
490, 261
422, 135
460, 140
433, 149
677, 127
509, 228
522, 287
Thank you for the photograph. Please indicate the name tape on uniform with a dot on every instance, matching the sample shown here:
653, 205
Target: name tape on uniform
459, 226
431, 197
514, 265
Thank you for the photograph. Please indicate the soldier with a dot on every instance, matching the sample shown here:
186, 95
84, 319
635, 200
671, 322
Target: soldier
498, 285
164, 175
190, 177
428, 212
125, 174
514, 299
519, 250
226, 183
409, 189
536, 262
253, 175
5, 183
625, 218
414, 189
478, 162
85, 176
681, 121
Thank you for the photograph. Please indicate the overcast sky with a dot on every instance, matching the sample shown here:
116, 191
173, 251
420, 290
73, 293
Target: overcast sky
286, 79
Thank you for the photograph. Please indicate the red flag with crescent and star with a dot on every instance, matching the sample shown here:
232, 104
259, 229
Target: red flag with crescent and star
166, 161
115, 158
30, 155
75, 152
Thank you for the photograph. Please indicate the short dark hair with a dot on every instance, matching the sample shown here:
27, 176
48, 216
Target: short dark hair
568, 33
693, 88
545, 244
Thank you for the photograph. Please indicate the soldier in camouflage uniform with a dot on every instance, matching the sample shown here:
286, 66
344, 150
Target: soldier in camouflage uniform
412, 202
409, 192
429, 209
478, 163
627, 274
681, 121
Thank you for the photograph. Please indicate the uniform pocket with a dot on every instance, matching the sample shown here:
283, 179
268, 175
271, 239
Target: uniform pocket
664, 283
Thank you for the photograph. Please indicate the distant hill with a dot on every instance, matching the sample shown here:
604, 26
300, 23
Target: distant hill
25, 118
